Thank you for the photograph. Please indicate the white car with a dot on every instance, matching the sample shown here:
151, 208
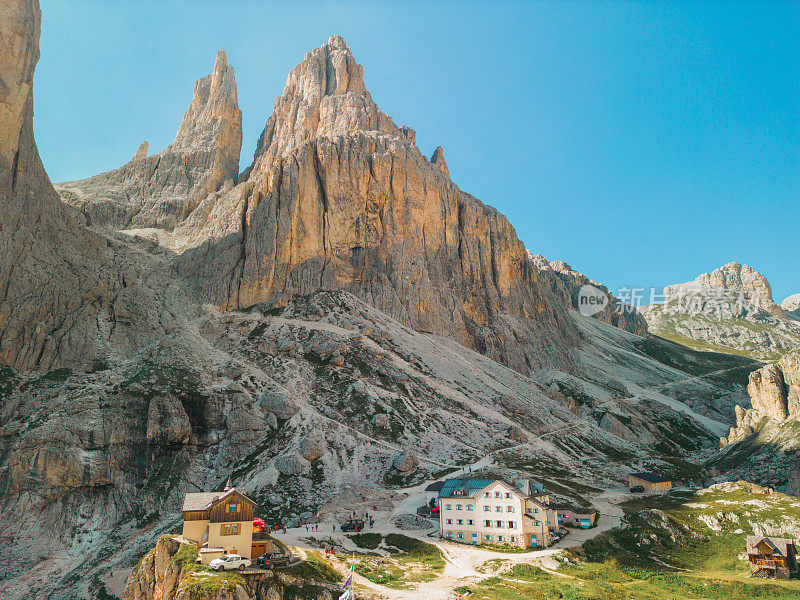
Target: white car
229, 562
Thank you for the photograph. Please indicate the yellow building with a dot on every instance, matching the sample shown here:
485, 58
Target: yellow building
649, 482
219, 522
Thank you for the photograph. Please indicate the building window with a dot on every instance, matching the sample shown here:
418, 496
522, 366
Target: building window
460, 521
508, 494
448, 507
536, 510
500, 524
488, 538
499, 538
513, 539
510, 509
230, 529
498, 495
449, 521
486, 508
458, 507
512, 525
233, 507
498, 509
487, 495
470, 522
469, 506
460, 536
487, 523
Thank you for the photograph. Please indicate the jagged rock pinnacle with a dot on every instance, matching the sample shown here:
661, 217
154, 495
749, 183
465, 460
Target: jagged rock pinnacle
141, 151
437, 159
160, 190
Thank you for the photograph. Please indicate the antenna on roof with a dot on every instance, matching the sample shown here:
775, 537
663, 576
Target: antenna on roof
228, 485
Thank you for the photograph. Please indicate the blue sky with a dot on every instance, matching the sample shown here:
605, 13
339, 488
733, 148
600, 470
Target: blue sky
643, 143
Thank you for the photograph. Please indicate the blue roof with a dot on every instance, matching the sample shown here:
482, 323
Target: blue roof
470, 487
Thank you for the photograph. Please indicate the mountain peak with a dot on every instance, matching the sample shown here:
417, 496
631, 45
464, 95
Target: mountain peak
733, 276
213, 116
324, 96
159, 190
337, 41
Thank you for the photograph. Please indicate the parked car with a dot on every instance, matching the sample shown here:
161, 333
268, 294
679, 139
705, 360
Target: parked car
353, 525
273, 559
230, 562
637, 489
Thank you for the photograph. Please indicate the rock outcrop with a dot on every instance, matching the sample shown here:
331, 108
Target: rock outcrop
791, 304
339, 197
730, 308
566, 284
774, 393
160, 190
169, 571
437, 159
53, 273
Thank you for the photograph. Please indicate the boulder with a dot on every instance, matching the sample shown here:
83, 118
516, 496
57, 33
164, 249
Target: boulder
291, 464
167, 422
406, 462
279, 403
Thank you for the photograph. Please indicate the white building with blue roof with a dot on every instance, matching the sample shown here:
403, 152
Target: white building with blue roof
493, 511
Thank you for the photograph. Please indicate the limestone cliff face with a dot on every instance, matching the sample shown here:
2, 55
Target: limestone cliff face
774, 392
339, 197
162, 189
51, 269
566, 284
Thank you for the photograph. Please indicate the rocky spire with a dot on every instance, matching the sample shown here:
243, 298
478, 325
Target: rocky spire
213, 118
160, 190
437, 159
141, 151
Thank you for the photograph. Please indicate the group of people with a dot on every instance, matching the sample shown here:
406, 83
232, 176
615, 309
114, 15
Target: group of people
368, 518
313, 527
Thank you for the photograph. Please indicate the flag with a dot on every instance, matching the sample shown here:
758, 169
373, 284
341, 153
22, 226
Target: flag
348, 595
349, 581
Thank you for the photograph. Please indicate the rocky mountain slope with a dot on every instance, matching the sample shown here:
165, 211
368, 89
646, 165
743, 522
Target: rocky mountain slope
359, 303
567, 284
728, 310
301, 404
160, 190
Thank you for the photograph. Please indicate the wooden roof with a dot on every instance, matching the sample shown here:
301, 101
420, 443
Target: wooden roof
205, 500
779, 546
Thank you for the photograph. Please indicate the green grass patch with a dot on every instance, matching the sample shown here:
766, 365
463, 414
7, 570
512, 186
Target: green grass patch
370, 541
314, 568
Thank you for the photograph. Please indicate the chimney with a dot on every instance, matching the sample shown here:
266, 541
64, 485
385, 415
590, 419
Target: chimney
228, 485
